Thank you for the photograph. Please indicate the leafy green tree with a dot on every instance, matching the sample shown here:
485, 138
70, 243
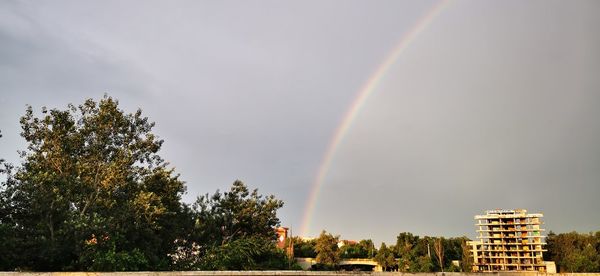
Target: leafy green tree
233, 230
574, 252
582, 260
466, 259
408, 249
327, 249
453, 250
93, 194
362, 249
422, 264
352, 251
248, 253
304, 248
406, 239
106, 258
368, 246
416, 253
239, 213
385, 258
91, 171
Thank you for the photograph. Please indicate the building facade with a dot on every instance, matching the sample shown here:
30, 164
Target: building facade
509, 240
282, 235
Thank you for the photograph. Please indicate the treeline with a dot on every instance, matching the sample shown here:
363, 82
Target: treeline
410, 253
574, 252
92, 193
571, 252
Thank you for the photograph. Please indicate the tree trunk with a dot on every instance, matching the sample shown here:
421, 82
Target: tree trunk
438, 247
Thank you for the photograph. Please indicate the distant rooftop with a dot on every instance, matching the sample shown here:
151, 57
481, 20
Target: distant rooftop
507, 213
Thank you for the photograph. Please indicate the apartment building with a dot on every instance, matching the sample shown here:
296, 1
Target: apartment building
509, 240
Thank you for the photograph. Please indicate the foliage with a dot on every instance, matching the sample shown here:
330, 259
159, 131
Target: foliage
453, 250
416, 253
405, 252
239, 213
422, 264
466, 262
303, 248
89, 170
385, 258
232, 231
369, 247
574, 252
252, 253
327, 249
362, 249
101, 255
438, 248
92, 194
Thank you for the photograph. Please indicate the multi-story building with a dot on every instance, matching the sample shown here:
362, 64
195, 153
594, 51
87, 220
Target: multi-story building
509, 240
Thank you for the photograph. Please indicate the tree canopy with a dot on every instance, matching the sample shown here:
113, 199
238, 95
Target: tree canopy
385, 258
574, 252
304, 248
233, 230
362, 249
326, 248
235, 214
92, 193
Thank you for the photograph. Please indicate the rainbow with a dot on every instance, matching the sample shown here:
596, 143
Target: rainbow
366, 90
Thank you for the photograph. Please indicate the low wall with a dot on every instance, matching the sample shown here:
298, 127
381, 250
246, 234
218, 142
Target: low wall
284, 273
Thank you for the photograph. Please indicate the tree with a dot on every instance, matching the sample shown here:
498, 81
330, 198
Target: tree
352, 251
239, 213
304, 248
91, 183
438, 247
362, 249
405, 251
574, 252
385, 257
466, 260
369, 247
582, 260
233, 230
248, 253
453, 250
422, 264
327, 249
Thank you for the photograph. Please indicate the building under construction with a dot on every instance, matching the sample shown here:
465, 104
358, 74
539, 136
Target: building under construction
509, 240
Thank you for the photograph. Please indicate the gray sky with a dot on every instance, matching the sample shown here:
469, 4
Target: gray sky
495, 104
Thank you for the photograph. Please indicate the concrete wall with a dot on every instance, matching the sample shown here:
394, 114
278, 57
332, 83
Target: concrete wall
307, 263
284, 273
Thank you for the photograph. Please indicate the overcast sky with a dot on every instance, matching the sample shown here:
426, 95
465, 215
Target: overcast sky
495, 104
